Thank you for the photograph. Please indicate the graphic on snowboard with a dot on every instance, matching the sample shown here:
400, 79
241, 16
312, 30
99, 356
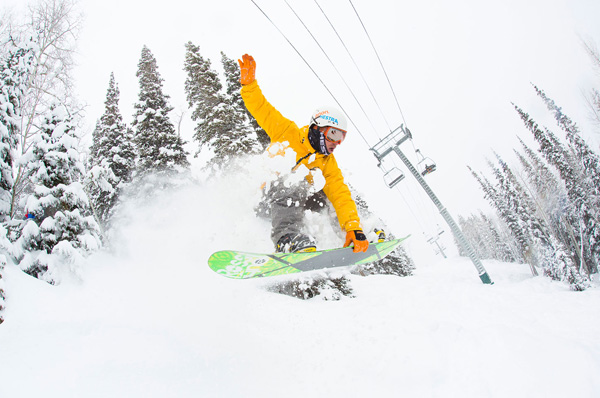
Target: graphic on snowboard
243, 265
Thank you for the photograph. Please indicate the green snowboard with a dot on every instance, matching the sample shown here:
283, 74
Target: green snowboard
243, 265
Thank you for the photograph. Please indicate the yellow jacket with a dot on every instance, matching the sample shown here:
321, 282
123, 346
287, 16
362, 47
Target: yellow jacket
282, 130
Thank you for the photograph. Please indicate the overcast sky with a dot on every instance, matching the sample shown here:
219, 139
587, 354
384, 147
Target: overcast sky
455, 67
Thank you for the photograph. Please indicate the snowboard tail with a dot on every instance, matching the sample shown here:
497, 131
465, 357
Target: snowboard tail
244, 265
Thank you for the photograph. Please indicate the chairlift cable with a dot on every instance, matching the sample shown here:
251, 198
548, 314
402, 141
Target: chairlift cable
419, 220
334, 67
380, 63
426, 210
355, 65
419, 202
313, 71
427, 218
409, 207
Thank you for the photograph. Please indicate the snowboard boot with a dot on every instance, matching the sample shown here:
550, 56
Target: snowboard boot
296, 243
380, 235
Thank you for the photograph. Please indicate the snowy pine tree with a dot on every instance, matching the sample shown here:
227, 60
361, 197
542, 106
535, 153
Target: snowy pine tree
524, 205
112, 157
551, 199
511, 221
489, 240
54, 25
499, 243
544, 182
542, 247
202, 87
15, 70
569, 171
16, 64
589, 177
233, 87
62, 232
593, 98
506, 202
589, 160
560, 266
530, 220
477, 233
159, 148
220, 124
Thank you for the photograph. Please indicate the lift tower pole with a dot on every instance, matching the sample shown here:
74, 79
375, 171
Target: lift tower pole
390, 144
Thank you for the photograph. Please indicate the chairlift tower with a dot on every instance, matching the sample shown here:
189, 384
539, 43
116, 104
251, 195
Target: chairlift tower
434, 240
391, 143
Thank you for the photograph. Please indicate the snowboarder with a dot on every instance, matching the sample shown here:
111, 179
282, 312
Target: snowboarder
314, 145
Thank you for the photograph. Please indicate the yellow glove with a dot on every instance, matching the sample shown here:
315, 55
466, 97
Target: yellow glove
361, 244
247, 69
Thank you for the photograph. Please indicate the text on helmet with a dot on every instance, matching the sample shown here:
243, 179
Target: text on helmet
329, 118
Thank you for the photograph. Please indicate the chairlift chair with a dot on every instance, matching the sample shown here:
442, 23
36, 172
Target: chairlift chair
393, 177
425, 165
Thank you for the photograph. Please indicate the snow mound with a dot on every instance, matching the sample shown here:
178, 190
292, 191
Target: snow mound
150, 319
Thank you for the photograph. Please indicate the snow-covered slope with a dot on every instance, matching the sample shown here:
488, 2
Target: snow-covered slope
150, 319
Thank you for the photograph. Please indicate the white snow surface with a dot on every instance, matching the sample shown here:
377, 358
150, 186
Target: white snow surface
150, 319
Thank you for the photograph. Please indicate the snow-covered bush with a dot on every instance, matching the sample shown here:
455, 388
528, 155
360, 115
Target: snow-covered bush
328, 286
396, 263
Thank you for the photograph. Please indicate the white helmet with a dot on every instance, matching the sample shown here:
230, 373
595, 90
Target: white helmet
329, 116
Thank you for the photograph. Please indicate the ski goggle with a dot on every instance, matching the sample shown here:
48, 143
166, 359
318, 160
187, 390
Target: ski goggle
334, 135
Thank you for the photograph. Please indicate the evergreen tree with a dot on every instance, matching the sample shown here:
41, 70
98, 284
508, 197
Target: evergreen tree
505, 213
559, 157
112, 157
589, 177
551, 199
221, 125
524, 206
595, 105
541, 248
160, 150
115, 141
470, 231
16, 64
488, 241
550, 253
62, 231
543, 180
483, 237
594, 96
530, 220
500, 245
588, 159
15, 70
232, 77
233, 138
100, 181
560, 266
55, 25
202, 87
507, 209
